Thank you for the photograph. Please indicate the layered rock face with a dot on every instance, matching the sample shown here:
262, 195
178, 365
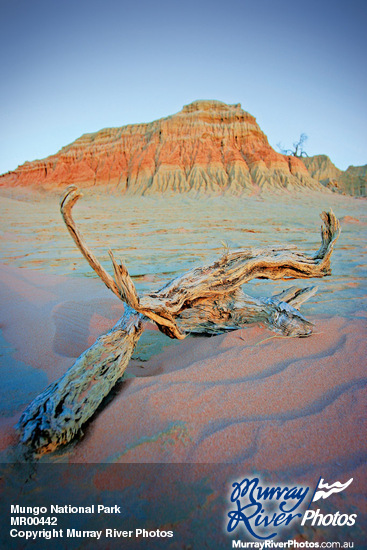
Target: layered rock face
209, 146
352, 181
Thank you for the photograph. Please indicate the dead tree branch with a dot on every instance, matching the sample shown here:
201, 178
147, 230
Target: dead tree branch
207, 299
58, 413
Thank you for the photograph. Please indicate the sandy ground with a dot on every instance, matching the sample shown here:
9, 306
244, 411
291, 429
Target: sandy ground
284, 406
239, 397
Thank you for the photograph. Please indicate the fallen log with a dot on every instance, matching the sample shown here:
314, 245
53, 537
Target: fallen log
207, 299
57, 414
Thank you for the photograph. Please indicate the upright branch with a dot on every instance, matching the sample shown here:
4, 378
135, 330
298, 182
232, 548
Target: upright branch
123, 287
71, 196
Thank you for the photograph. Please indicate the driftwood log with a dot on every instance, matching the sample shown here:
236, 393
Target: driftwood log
207, 299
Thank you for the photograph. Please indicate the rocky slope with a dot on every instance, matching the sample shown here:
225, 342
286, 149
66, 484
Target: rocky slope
354, 180
351, 182
208, 146
322, 169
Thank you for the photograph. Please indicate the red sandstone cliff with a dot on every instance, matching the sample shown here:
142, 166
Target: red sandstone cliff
208, 146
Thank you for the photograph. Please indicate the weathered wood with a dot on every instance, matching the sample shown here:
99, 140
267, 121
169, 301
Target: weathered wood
212, 281
238, 267
237, 310
70, 197
58, 413
123, 287
203, 300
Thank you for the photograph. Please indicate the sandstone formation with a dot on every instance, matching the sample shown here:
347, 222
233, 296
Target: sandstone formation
354, 180
209, 146
321, 168
351, 182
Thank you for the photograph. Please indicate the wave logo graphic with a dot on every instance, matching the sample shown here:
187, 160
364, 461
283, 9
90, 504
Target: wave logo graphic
323, 490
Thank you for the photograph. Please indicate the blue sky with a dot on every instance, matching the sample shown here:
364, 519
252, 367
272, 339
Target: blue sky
78, 66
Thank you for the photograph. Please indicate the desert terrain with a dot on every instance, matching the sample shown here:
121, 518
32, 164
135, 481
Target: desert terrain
248, 399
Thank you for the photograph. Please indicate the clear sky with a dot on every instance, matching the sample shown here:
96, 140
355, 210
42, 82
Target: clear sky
74, 66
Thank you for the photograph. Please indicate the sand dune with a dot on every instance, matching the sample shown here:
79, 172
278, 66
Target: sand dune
237, 397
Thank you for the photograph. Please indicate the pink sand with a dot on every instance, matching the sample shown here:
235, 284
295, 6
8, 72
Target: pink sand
247, 396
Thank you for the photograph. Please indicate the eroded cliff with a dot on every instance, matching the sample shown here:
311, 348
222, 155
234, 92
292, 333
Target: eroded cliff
209, 146
352, 181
